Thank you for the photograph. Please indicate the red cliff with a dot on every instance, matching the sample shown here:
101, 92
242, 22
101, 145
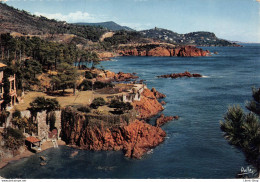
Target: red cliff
134, 138
148, 106
184, 51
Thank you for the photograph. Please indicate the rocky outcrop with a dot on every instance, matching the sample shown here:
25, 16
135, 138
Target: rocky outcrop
148, 106
124, 76
161, 120
105, 56
157, 94
134, 138
163, 102
180, 75
106, 75
184, 51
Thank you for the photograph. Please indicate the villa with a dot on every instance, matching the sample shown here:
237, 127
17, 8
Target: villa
12, 91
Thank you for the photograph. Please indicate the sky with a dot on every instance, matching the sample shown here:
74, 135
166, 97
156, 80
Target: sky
236, 20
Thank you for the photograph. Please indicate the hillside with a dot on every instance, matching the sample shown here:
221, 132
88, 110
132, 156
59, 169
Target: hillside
110, 25
14, 20
21, 22
193, 38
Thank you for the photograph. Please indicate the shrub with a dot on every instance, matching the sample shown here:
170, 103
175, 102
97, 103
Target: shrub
3, 116
120, 107
41, 104
13, 138
84, 109
89, 75
17, 114
21, 123
85, 85
97, 102
100, 85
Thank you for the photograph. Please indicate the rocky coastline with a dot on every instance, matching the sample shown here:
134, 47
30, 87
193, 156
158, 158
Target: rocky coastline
132, 135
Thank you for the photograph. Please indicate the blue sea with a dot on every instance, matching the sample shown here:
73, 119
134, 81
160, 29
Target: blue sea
194, 146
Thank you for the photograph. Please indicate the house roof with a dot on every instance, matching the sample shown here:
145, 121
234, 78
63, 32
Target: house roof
2, 65
32, 139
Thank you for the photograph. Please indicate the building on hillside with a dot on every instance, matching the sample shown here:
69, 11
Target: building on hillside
12, 87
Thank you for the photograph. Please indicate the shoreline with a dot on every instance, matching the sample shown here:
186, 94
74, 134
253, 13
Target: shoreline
46, 145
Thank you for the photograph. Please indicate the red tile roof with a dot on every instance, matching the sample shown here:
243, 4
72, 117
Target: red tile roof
32, 139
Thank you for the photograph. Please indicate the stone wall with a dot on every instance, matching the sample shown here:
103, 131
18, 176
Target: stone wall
43, 128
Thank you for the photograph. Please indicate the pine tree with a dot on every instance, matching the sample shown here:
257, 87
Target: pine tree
243, 130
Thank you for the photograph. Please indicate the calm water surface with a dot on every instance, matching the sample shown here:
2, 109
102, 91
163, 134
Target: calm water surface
194, 147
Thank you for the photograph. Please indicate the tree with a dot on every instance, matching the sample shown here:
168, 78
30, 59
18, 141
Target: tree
13, 138
6, 95
120, 107
243, 130
66, 77
254, 105
3, 116
41, 104
97, 102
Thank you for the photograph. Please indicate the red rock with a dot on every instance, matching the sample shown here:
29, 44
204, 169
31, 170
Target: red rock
166, 51
180, 75
157, 94
135, 139
163, 103
124, 76
159, 51
148, 106
161, 120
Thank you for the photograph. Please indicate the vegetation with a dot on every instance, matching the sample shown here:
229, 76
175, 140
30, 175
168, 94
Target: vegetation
84, 109
23, 123
100, 85
97, 102
254, 105
122, 37
27, 57
3, 116
110, 25
193, 38
120, 107
65, 78
51, 119
85, 85
16, 113
13, 138
25, 23
41, 104
243, 130
6, 95
89, 75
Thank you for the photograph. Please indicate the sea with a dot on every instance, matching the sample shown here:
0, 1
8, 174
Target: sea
194, 146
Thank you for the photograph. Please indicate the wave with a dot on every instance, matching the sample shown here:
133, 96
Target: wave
150, 151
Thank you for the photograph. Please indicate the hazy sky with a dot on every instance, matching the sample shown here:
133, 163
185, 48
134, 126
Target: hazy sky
229, 19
